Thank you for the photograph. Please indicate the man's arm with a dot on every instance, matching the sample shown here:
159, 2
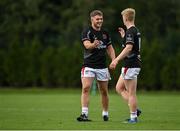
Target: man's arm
111, 52
125, 52
89, 45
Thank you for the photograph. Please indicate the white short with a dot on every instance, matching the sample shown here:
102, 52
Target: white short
99, 74
130, 73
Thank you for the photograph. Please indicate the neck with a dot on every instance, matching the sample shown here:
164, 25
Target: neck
129, 24
96, 28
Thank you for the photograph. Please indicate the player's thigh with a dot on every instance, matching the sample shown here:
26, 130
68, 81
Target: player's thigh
87, 77
87, 82
120, 84
131, 84
103, 86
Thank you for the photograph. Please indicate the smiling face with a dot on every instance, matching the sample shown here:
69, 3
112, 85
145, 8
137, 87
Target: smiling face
97, 21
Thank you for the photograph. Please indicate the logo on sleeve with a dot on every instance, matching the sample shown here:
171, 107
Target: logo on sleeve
129, 37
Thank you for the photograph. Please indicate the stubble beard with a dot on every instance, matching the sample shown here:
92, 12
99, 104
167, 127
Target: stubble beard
98, 26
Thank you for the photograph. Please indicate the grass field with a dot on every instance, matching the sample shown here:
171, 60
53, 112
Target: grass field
42, 109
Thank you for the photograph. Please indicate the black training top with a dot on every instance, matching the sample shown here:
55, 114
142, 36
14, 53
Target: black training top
132, 36
95, 58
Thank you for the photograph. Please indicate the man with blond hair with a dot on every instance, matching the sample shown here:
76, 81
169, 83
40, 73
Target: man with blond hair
96, 42
127, 83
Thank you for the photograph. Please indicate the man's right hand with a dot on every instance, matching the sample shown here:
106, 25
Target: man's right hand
96, 43
113, 64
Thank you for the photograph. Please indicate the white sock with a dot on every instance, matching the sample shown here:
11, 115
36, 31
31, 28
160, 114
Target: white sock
133, 115
105, 113
85, 111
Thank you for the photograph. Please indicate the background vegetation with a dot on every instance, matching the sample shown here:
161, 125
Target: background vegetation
40, 41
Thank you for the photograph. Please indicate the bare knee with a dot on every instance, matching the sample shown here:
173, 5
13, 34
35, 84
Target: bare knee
132, 92
104, 93
132, 95
120, 86
119, 89
85, 89
103, 88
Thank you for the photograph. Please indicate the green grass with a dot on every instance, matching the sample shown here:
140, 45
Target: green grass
57, 109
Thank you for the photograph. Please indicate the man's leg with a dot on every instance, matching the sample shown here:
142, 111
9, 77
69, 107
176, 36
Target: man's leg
131, 85
103, 88
86, 85
121, 89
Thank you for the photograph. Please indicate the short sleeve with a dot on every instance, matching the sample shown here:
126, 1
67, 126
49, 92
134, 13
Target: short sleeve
86, 35
129, 37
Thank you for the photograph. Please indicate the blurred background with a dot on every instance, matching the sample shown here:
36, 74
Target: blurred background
40, 41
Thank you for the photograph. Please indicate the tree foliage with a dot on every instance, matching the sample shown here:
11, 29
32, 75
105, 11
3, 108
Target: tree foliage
40, 41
